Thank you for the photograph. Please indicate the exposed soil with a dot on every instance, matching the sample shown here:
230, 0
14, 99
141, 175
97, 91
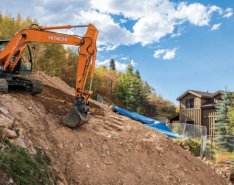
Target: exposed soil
5, 180
109, 149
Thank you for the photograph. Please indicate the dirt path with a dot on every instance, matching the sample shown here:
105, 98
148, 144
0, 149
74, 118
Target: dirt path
110, 149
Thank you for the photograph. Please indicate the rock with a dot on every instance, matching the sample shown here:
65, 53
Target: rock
26, 144
231, 176
4, 111
81, 145
60, 183
19, 142
11, 181
60, 145
30, 108
5, 122
10, 134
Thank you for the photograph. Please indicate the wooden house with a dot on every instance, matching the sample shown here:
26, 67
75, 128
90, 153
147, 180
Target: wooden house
197, 107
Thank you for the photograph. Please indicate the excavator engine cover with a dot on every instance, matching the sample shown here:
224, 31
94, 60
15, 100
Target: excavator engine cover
78, 114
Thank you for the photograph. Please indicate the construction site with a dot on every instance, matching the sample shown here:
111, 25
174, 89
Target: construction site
109, 149
102, 126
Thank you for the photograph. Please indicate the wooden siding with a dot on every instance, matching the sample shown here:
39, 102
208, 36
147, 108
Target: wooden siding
191, 115
211, 118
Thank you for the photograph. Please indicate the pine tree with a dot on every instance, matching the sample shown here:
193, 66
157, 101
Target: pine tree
129, 70
222, 122
137, 74
230, 125
112, 65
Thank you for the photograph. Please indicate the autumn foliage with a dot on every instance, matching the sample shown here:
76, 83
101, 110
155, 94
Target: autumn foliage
125, 89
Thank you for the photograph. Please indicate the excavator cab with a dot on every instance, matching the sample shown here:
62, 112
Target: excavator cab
13, 80
24, 66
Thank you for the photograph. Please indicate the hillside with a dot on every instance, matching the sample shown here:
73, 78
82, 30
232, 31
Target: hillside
110, 149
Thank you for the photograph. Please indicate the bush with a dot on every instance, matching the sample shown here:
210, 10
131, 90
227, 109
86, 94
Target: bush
194, 146
24, 169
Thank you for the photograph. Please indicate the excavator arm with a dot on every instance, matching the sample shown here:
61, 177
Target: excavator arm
12, 53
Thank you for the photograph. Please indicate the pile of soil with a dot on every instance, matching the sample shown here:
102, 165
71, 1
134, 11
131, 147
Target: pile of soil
109, 149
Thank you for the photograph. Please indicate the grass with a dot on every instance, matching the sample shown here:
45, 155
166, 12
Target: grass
24, 169
219, 155
194, 145
213, 152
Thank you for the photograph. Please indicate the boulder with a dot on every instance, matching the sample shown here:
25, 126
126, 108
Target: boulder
10, 134
5, 122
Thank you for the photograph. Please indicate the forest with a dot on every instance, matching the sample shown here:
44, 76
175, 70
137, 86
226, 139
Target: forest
125, 89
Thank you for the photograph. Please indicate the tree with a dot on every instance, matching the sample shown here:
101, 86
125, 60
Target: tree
222, 127
230, 115
230, 125
129, 70
137, 74
112, 65
52, 59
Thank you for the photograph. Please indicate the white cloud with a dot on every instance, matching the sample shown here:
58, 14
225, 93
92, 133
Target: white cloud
111, 34
215, 26
123, 21
196, 13
158, 53
120, 66
124, 58
155, 19
170, 54
152, 28
166, 54
228, 12
152, 19
215, 8
176, 34
105, 62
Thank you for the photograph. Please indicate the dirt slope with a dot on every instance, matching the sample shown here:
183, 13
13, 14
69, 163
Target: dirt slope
110, 149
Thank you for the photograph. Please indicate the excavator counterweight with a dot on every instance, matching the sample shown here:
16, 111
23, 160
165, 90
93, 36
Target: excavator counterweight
13, 66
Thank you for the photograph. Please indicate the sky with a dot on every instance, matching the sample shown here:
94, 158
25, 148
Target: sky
176, 45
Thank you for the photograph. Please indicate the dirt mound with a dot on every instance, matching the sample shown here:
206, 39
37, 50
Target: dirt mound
110, 149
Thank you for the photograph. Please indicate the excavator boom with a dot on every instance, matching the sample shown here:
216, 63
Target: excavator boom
11, 54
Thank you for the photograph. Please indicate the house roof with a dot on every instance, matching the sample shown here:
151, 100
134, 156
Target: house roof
217, 93
210, 105
199, 94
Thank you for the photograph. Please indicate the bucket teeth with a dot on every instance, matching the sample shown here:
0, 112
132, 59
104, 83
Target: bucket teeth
78, 114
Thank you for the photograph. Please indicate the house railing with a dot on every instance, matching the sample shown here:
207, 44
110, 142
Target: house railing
211, 119
188, 130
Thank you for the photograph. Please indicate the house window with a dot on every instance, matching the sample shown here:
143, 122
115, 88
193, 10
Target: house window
190, 122
190, 103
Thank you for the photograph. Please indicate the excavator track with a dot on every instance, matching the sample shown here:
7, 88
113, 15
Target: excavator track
3, 86
20, 84
36, 87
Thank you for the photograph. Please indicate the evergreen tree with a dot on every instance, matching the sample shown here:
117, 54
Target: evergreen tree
222, 122
137, 74
231, 116
129, 70
133, 94
112, 65
230, 125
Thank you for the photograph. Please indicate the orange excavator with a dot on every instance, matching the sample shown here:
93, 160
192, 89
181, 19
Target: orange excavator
14, 66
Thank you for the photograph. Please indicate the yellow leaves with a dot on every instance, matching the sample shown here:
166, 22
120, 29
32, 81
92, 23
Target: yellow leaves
9, 25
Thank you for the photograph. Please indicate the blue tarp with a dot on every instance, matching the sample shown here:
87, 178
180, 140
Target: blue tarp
159, 126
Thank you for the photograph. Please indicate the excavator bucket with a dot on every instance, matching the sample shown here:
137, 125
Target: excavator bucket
77, 115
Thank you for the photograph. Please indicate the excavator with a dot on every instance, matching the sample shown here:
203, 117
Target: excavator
15, 68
